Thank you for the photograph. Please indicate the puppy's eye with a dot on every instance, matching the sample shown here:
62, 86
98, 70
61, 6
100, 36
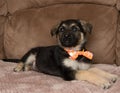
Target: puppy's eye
61, 29
74, 28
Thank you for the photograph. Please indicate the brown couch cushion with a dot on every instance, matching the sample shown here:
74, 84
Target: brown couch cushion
25, 4
3, 7
30, 28
2, 22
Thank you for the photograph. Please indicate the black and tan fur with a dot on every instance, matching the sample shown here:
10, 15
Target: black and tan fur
54, 60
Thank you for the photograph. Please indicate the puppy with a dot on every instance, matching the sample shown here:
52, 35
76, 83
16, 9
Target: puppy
69, 59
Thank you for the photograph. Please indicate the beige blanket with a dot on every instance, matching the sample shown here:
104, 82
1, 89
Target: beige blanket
35, 82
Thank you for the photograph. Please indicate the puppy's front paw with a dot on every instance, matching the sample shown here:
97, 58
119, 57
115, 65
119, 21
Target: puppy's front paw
104, 83
112, 77
93, 78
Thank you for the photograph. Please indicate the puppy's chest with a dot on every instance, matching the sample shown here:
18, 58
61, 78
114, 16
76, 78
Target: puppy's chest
75, 64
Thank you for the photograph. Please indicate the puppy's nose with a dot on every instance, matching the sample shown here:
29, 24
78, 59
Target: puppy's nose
66, 35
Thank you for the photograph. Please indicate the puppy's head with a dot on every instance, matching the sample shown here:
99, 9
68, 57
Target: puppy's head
72, 32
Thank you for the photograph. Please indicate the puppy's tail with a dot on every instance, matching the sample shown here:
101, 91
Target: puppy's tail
12, 60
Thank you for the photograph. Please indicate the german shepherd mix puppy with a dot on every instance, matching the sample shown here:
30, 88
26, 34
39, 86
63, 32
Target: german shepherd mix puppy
69, 59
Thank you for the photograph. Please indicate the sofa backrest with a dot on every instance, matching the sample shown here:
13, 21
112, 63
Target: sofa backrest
25, 4
12, 6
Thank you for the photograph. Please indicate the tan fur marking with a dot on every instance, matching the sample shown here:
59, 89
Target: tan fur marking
75, 65
19, 67
30, 59
29, 62
92, 78
104, 74
28, 67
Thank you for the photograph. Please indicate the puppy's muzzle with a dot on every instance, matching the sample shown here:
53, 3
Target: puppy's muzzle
68, 39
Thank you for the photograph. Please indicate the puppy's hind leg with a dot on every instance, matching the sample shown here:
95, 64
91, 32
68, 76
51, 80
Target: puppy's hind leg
26, 64
30, 62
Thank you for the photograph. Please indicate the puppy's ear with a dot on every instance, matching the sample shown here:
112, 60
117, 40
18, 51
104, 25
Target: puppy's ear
54, 30
86, 26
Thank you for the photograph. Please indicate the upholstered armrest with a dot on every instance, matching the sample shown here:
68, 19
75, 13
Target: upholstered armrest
118, 4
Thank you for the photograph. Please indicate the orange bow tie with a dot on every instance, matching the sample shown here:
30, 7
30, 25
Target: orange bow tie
74, 54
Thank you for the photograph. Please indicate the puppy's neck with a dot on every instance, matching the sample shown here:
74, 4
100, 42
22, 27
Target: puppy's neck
76, 48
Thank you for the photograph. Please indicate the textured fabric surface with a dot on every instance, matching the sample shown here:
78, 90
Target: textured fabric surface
3, 7
34, 82
31, 27
2, 23
25, 4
